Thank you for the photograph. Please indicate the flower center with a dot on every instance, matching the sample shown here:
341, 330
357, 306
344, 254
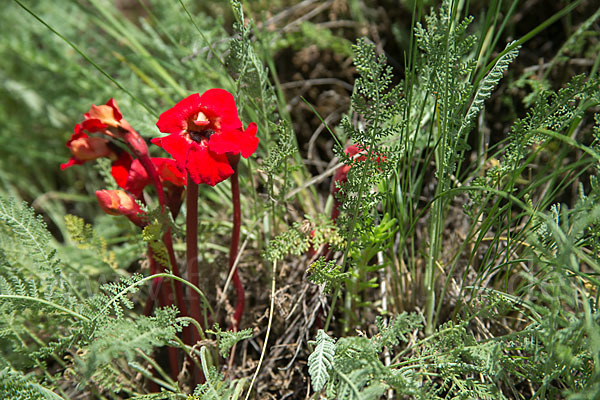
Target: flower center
199, 127
199, 136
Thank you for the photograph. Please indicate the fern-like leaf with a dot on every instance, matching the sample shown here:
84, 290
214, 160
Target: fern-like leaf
227, 339
152, 235
326, 272
87, 237
486, 87
321, 360
124, 337
16, 386
30, 230
215, 387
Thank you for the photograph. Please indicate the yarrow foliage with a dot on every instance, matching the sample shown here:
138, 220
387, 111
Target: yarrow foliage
206, 136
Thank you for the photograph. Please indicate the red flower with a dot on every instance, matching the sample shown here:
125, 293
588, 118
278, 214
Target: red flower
341, 174
84, 148
117, 202
131, 175
356, 154
108, 120
204, 131
103, 118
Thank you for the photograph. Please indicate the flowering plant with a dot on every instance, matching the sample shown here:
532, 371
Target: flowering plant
206, 139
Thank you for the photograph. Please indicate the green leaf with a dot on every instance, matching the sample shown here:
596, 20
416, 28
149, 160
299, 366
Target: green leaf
321, 360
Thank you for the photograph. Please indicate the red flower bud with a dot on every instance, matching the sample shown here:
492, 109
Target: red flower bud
117, 202
108, 120
108, 114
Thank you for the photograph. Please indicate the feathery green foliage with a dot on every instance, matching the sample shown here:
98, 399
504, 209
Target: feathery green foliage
39, 293
280, 159
86, 237
327, 273
552, 111
487, 85
123, 338
16, 386
30, 231
312, 233
377, 102
152, 234
228, 339
350, 368
444, 65
508, 296
252, 78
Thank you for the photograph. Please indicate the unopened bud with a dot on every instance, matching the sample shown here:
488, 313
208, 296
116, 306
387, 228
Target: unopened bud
118, 202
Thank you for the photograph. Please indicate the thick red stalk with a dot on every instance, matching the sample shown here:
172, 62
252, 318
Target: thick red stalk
153, 174
191, 241
164, 296
153, 296
140, 149
167, 239
233, 250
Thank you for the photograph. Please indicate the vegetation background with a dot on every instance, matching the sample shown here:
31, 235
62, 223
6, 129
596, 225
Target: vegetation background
464, 267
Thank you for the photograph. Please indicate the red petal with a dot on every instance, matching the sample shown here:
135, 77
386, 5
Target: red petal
120, 169
174, 120
78, 129
220, 104
249, 143
352, 150
117, 113
168, 171
207, 167
137, 179
177, 146
72, 161
105, 113
93, 125
79, 134
235, 142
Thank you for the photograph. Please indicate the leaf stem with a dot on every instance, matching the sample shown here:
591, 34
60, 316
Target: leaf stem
46, 302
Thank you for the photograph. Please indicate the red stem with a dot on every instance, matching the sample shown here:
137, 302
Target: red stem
191, 241
167, 238
164, 296
179, 296
233, 250
151, 170
140, 149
